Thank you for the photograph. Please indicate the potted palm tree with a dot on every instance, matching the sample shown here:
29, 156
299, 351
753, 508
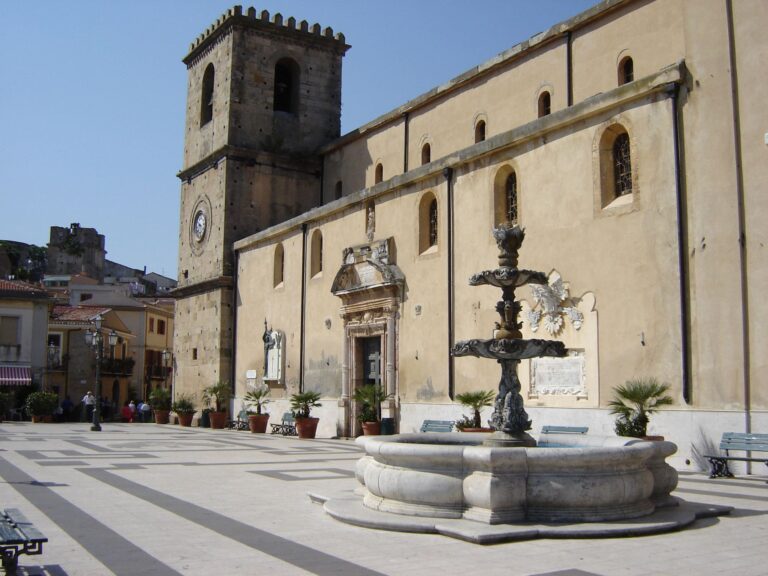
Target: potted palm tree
218, 394
160, 400
301, 406
476, 401
257, 420
42, 405
185, 409
368, 399
635, 401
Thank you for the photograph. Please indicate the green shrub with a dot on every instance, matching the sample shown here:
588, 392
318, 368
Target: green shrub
42, 403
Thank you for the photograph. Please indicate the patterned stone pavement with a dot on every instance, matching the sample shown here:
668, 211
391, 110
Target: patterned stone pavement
156, 500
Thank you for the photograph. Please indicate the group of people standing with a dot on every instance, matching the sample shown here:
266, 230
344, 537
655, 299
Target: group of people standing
130, 412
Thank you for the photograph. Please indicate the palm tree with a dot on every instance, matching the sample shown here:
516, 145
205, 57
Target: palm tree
477, 401
636, 400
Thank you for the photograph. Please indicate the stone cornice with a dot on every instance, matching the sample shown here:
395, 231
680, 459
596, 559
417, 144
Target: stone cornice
202, 287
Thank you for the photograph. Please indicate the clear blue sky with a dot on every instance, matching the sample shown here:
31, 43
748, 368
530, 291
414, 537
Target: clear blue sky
93, 96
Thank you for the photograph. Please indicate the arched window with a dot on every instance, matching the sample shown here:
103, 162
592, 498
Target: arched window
622, 166
480, 131
379, 175
426, 154
506, 197
316, 251
206, 96
626, 70
337, 190
428, 222
545, 104
286, 98
617, 177
279, 266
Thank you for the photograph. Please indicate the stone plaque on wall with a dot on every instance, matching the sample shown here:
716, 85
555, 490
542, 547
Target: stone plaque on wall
558, 376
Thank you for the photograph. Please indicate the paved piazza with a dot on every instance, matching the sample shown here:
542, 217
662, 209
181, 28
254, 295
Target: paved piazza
161, 500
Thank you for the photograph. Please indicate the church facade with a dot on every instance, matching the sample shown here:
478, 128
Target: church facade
629, 142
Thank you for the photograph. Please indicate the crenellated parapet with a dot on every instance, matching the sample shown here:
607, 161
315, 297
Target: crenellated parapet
314, 33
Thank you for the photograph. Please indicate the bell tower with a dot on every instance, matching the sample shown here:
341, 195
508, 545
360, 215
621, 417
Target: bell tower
263, 96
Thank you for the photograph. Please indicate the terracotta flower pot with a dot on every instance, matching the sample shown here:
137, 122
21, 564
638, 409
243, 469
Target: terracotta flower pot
306, 427
653, 438
185, 420
42, 419
371, 428
162, 416
218, 420
476, 430
257, 423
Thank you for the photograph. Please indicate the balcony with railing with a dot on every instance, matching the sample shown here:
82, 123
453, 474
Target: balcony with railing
157, 371
117, 367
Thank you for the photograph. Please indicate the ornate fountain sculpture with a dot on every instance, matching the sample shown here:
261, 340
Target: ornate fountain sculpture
507, 346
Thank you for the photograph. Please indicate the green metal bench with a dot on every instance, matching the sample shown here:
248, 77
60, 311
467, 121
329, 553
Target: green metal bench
287, 426
18, 536
564, 429
741, 442
437, 426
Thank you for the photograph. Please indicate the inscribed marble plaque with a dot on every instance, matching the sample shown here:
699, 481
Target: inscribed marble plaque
564, 376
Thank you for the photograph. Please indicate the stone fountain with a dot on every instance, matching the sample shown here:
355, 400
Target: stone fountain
490, 488
507, 345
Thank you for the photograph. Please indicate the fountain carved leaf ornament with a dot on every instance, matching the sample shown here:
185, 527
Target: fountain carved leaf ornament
552, 304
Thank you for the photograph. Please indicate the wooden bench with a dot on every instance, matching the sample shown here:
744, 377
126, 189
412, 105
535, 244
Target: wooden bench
287, 426
436, 426
18, 536
564, 429
742, 442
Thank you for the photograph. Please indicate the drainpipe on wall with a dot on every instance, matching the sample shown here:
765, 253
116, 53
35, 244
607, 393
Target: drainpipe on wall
569, 67
233, 339
682, 243
303, 304
448, 174
406, 118
742, 239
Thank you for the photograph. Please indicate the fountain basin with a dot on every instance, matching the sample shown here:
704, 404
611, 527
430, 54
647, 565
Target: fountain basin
586, 479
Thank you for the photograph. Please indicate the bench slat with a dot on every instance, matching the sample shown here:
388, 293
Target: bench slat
564, 429
24, 526
437, 426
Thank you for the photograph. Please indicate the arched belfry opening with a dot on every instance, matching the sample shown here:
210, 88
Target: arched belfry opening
286, 96
370, 286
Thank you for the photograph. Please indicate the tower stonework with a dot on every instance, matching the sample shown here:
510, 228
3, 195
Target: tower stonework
263, 96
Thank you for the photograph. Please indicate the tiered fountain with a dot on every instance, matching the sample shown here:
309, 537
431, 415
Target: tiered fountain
505, 487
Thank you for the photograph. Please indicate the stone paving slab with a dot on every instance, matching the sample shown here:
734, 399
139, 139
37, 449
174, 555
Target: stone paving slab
151, 499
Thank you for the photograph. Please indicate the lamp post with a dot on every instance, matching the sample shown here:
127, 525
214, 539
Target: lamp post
95, 338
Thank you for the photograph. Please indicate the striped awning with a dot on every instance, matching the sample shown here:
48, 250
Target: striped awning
14, 375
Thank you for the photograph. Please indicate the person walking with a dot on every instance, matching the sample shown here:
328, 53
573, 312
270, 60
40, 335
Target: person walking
146, 412
132, 408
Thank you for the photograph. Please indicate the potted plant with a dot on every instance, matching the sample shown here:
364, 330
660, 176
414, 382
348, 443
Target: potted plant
218, 394
185, 408
369, 398
42, 405
5, 403
476, 401
635, 401
256, 399
160, 400
301, 406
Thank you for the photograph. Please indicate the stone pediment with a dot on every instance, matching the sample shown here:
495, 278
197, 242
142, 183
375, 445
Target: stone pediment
366, 267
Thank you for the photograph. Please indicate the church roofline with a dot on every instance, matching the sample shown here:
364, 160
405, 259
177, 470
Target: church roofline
662, 81
260, 21
517, 51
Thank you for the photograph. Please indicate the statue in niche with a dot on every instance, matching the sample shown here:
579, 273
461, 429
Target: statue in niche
371, 223
273, 354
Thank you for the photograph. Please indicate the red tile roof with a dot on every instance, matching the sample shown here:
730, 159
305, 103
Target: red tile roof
76, 314
18, 288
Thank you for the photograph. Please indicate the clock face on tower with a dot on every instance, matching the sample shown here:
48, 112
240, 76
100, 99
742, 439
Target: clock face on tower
199, 224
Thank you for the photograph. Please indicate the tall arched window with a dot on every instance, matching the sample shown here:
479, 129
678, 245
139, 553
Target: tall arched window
379, 174
617, 177
622, 166
626, 70
480, 131
428, 222
545, 104
286, 98
279, 266
337, 191
206, 96
426, 154
316, 251
506, 197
